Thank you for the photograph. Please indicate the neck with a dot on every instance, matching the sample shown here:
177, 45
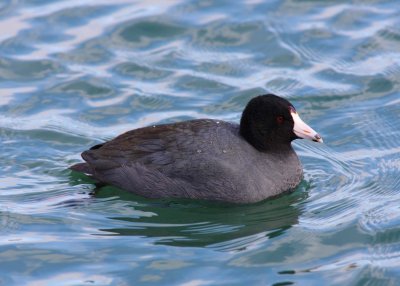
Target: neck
264, 143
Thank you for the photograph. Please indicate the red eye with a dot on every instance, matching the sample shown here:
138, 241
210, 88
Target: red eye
279, 119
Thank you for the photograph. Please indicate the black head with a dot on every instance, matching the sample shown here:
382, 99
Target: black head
267, 123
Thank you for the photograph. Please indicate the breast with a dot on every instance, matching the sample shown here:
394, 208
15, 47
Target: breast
262, 175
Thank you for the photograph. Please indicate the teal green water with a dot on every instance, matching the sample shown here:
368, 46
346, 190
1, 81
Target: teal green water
74, 73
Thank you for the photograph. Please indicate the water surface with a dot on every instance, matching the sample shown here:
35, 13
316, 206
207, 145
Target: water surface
75, 73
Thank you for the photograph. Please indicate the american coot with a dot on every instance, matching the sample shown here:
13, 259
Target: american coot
207, 159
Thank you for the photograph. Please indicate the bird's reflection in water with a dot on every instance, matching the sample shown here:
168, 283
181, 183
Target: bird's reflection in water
207, 224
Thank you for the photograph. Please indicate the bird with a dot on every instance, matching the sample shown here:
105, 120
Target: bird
207, 159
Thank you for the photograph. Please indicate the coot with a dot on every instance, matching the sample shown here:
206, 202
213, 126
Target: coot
207, 159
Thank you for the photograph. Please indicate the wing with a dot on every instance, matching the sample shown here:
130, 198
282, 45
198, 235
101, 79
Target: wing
154, 147
162, 148
185, 159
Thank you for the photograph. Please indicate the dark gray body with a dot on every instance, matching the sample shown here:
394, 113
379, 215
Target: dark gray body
200, 159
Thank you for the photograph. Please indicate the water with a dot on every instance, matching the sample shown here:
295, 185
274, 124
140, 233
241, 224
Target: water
74, 73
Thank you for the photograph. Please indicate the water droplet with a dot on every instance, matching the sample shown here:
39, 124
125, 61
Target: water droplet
223, 151
198, 151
